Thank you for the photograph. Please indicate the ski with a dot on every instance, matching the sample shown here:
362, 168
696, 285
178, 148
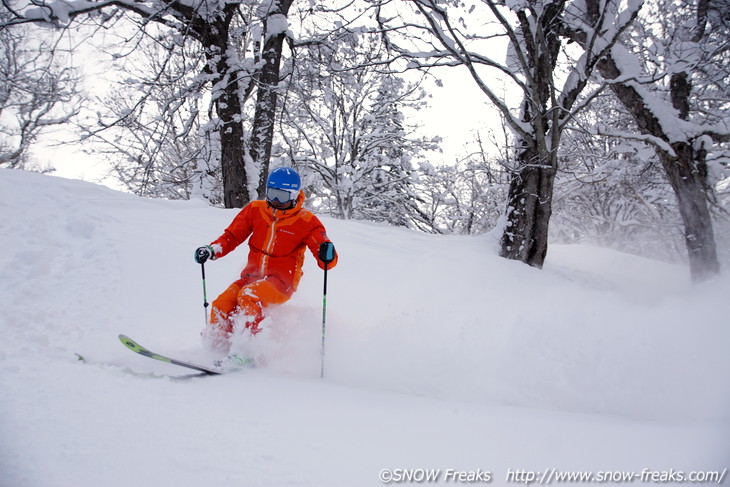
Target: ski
136, 347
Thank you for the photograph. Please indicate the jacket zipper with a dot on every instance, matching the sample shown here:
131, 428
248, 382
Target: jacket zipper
269, 244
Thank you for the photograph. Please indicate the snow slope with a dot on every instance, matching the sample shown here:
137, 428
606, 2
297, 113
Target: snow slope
439, 355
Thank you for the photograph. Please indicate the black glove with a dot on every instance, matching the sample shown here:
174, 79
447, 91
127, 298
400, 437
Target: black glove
204, 253
327, 252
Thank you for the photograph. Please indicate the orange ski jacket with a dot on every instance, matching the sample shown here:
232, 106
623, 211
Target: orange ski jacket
277, 243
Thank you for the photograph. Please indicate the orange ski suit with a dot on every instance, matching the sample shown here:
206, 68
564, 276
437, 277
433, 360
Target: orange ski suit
276, 253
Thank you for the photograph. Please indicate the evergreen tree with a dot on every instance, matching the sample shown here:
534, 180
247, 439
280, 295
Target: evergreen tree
344, 124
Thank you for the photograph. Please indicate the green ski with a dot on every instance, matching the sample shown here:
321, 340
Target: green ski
136, 347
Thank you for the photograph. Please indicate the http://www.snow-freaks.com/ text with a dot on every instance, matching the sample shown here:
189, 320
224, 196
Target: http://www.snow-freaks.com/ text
548, 476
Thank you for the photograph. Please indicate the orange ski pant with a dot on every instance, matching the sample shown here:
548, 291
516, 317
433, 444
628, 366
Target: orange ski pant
247, 300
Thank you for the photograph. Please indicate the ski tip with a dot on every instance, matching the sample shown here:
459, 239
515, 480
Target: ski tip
130, 344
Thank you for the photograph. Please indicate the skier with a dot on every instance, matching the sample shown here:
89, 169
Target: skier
278, 230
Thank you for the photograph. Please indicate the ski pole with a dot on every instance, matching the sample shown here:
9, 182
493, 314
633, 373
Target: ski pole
205, 294
324, 316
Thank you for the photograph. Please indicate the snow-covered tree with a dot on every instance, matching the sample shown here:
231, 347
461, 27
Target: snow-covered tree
467, 197
37, 91
671, 75
547, 76
612, 191
159, 141
344, 123
241, 43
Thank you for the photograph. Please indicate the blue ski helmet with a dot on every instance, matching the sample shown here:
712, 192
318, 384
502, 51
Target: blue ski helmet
284, 178
282, 188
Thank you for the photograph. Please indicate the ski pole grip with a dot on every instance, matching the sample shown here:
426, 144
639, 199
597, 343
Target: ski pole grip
327, 252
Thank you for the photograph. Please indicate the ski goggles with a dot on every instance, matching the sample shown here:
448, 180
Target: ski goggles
281, 195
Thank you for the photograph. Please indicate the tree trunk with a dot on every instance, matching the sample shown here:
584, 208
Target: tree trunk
530, 197
262, 134
233, 167
228, 110
236, 174
688, 182
525, 237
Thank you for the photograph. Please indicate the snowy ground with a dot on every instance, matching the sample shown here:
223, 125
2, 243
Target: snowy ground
440, 355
